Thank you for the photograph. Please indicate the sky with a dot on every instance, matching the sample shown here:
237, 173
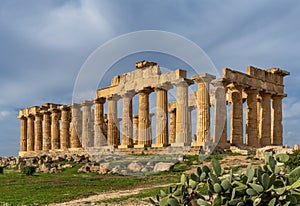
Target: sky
43, 45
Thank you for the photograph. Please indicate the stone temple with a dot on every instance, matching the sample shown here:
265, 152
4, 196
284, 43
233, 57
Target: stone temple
253, 100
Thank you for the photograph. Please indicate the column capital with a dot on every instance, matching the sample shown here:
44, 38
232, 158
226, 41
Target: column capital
54, 111
45, 111
64, 108
184, 82
86, 103
21, 117
279, 96
115, 97
220, 82
203, 78
30, 116
251, 90
164, 86
265, 94
129, 94
100, 100
146, 90
235, 87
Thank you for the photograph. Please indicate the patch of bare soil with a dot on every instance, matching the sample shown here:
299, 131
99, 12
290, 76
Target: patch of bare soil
238, 162
96, 199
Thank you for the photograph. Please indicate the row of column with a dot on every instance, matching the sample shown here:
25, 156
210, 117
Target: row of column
61, 127
42, 131
263, 123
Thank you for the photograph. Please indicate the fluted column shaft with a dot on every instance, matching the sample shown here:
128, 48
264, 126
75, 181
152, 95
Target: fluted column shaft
220, 114
99, 133
55, 137
87, 139
144, 132
112, 131
161, 117
127, 126
236, 117
47, 130
203, 113
181, 114
277, 120
173, 126
135, 129
65, 128
76, 127
38, 134
251, 118
203, 108
190, 128
265, 119
23, 134
30, 132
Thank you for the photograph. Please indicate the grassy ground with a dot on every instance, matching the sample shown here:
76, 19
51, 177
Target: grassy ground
19, 189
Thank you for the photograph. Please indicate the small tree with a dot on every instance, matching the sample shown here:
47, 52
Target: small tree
28, 170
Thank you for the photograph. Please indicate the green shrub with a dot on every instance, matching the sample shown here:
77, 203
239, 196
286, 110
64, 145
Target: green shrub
294, 159
28, 170
264, 185
1, 170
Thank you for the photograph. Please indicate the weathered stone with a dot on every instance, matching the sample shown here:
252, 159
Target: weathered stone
163, 166
135, 166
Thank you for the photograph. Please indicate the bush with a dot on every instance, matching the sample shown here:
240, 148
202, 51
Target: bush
28, 170
1, 170
264, 185
294, 159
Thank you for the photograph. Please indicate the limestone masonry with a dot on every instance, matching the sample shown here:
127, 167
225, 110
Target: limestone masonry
80, 126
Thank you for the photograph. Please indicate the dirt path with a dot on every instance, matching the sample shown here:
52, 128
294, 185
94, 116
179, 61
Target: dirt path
94, 199
229, 162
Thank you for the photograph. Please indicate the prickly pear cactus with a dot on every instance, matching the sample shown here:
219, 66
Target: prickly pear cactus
267, 184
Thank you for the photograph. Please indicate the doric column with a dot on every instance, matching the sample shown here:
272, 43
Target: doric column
236, 116
161, 117
220, 114
182, 113
47, 130
265, 119
172, 112
135, 129
99, 135
23, 133
87, 138
55, 137
203, 108
30, 132
112, 131
127, 126
144, 133
251, 118
38, 134
258, 118
76, 126
65, 127
276, 132
190, 132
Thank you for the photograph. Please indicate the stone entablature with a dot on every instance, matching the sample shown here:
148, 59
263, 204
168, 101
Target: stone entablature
52, 127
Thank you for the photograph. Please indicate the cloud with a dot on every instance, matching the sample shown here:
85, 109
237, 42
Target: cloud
44, 44
70, 25
4, 114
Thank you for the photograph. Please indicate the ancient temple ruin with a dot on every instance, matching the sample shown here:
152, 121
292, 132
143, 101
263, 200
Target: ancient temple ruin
56, 127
